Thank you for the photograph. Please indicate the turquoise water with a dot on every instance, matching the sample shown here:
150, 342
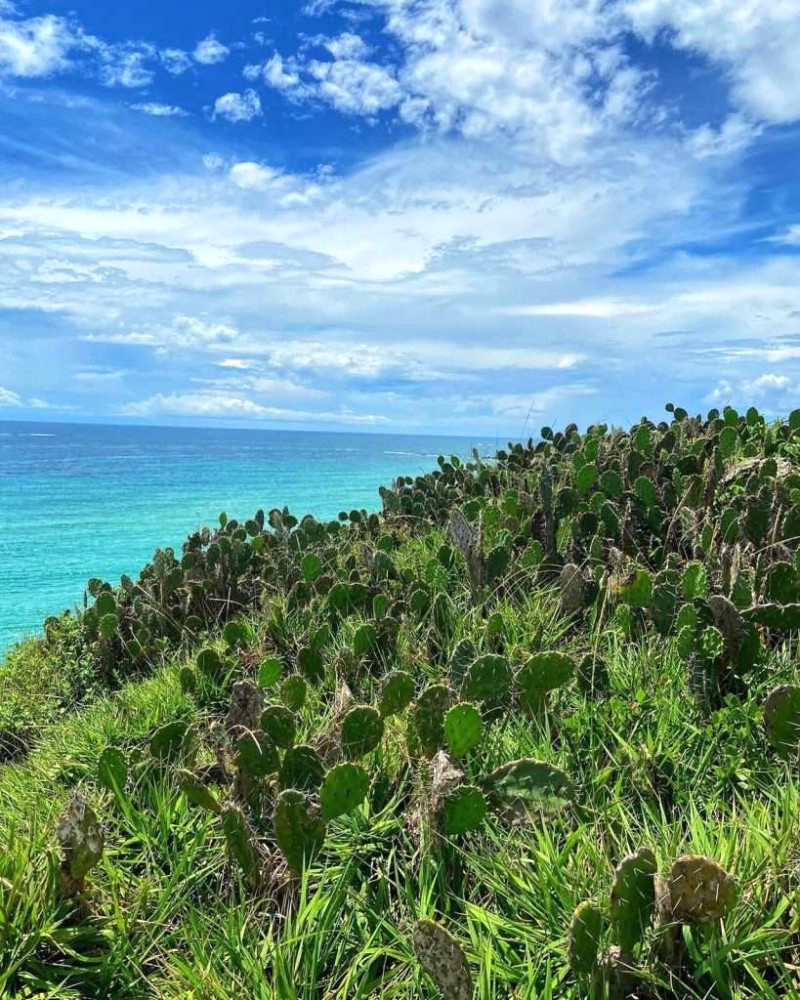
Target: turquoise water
78, 501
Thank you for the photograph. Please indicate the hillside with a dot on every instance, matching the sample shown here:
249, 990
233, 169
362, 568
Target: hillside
530, 732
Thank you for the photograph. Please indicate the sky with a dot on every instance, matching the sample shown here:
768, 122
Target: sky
461, 216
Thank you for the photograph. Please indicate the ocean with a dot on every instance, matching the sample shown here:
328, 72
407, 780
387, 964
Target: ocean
78, 501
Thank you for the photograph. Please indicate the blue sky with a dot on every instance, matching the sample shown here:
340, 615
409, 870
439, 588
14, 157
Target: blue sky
471, 216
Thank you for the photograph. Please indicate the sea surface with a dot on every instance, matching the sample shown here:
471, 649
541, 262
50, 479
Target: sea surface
78, 501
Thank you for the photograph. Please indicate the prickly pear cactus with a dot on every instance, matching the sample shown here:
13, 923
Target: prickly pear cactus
573, 589
280, 725
428, 717
487, 679
344, 789
245, 710
294, 690
462, 810
167, 741
583, 943
299, 829
196, 792
81, 841
256, 755
633, 897
782, 719
210, 664
241, 842
700, 890
112, 769
463, 728
443, 958
362, 731
301, 769
535, 782
545, 672
397, 693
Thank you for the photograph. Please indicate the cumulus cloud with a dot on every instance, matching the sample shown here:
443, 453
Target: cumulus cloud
36, 47
175, 61
210, 51
238, 107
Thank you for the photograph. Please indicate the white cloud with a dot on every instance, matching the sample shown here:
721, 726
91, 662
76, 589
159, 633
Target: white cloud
790, 237
238, 107
221, 405
98, 376
735, 134
9, 398
345, 46
757, 42
160, 110
36, 47
125, 68
176, 61
252, 176
355, 87
210, 51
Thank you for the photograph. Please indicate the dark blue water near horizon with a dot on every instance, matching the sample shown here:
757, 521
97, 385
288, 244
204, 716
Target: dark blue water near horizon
84, 500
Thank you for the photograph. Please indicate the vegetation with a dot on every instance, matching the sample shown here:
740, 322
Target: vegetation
532, 731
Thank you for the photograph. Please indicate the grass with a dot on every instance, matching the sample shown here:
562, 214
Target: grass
170, 918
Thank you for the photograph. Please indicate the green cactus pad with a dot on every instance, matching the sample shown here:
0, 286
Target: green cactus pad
443, 958
311, 567
397, 693
196, 792
646, 491
105, 604
782, 719
344, 788
462, 810
280, 725
294, 691
256, 755
637, 589
428, 717
269, 672
310, 664
365, 639
167, 741
694, 581
463, 728
237, 635
362, 731
487, 679
545, 672
299, 829
301, 769
591, 675
81, 840
781, 583
241, 842
540, 784
210, 664
633, 897
112, 769
583, 942
188, 680
784, 617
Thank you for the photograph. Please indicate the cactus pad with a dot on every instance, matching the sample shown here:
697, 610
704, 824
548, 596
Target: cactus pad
782, 719
196, 792
81, 840
256, 755
294, 691
397, 692
112, 769
301, 769
279, 724
362, 731
269, 672
544, 672
463, 728
487, 679
428, 716
344, 788
443, 958
462, 810
700, 890
210, 664
167, 741
583, 942
245, 710
633, 897
535, 781
299, 829
241, 842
